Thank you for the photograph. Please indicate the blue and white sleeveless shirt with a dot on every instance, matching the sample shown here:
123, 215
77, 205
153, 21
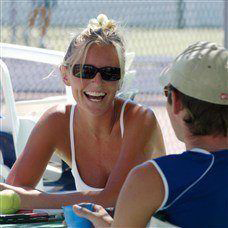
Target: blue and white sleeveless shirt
196, 188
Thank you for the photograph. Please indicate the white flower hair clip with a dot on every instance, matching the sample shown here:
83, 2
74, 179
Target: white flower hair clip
101, 21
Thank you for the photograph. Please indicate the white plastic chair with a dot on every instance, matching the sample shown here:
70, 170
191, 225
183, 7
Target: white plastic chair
4, 171
19, 127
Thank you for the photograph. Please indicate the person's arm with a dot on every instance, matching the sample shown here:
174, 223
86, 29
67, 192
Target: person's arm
140, 128
30, 165
138, 146
141, 196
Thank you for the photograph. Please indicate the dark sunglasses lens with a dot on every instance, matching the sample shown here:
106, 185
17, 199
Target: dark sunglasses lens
88, 72
110, 73
76, 70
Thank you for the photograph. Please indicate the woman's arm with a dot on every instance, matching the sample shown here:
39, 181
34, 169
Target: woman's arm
142, 140
32, 162
140, 128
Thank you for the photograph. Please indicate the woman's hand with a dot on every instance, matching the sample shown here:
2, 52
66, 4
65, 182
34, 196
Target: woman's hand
18, 190
99, 217
24, 193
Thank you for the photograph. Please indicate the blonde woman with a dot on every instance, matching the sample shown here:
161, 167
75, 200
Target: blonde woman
101, 138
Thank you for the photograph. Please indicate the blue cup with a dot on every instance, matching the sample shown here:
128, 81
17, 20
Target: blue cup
73, 220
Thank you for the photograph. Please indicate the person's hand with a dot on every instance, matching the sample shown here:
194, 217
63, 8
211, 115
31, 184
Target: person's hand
24, 194
99, 217
18, 190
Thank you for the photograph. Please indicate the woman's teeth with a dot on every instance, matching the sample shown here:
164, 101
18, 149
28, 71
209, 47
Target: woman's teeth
95, 96
95, 93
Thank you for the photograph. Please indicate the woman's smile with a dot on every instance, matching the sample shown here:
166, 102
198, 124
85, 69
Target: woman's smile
95, 96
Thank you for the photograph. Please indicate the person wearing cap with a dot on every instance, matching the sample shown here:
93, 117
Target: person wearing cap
188, 189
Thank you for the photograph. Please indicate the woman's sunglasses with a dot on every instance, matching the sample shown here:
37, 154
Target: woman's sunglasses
89, 71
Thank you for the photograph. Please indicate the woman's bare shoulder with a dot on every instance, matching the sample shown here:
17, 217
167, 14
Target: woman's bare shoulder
141, 122
59, 112
135, 112
51, 128
54, 119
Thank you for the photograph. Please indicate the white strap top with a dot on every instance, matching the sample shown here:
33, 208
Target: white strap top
79, 183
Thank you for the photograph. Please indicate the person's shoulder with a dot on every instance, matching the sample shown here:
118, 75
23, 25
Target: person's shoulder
146, 167
147, 177
143, 175
52, 126
135, 112
56, 114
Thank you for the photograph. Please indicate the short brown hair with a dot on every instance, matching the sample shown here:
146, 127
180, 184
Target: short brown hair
203, 118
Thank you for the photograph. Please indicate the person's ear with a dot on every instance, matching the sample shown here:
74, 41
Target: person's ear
65, 75
176, 103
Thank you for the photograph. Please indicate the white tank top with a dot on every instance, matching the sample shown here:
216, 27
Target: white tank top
79, 183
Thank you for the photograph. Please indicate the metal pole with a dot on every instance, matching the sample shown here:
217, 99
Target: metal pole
13, 23
226, 24
180, 14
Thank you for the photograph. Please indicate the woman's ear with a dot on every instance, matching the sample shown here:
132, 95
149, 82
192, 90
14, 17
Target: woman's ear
65, 75
176, 102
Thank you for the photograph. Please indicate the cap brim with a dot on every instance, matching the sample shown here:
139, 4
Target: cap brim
165, 76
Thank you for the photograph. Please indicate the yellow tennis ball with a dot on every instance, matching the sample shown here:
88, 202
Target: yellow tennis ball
9, 202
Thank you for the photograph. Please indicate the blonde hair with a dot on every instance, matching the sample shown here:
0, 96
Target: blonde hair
101, 31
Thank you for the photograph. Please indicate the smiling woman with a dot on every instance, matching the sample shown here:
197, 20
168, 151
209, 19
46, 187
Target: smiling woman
101, 138
95, 83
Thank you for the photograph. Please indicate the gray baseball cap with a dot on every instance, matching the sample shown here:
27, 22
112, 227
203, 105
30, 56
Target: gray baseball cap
200, 71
